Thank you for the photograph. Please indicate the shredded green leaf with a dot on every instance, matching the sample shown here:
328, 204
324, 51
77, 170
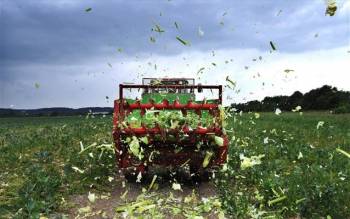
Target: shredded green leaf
272, 45
182, 41
343, 152
176, 25
219, 141
208, 155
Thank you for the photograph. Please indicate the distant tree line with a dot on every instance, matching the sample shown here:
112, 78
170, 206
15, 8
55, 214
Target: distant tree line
323, 98
55, 111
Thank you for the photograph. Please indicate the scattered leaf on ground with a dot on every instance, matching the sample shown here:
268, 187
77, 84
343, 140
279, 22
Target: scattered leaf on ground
343, 152
296, 109
84, 210
278, 111
176, 186
319, 124
92, 197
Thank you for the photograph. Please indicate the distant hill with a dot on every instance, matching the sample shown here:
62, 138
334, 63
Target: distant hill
323, 98
55, 111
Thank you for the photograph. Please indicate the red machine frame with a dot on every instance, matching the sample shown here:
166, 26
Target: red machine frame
122, 109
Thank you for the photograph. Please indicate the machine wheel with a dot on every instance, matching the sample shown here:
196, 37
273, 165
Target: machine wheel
196, 174
200, 175
131, 175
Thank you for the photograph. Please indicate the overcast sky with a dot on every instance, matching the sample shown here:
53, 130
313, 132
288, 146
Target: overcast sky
58, 53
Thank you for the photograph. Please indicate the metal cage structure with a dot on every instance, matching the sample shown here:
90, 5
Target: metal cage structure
162, 139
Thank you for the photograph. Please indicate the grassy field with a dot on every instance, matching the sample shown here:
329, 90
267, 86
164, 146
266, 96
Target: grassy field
284, 165
298, 170
37, 156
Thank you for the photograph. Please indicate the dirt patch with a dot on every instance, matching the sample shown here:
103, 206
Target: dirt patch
126, 192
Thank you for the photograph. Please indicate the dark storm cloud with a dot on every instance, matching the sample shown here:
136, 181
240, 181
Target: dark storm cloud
42, 38
50, 31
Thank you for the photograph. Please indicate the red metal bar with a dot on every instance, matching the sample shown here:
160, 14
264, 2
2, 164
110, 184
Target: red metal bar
222, 153
122, 108
157, 130
175, 105
170, 86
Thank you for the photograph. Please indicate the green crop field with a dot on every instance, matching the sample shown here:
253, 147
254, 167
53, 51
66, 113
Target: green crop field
280, 166
302, 170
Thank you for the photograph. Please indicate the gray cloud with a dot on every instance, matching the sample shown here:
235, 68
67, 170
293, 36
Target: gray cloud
42, 40
47, 32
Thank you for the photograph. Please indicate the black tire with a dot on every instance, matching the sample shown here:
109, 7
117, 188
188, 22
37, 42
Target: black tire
195, 174
199, 175
131, 176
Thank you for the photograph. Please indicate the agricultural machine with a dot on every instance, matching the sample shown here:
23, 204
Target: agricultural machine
168, 127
